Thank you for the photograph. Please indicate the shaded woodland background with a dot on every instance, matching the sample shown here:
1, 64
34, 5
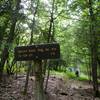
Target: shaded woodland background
74, 24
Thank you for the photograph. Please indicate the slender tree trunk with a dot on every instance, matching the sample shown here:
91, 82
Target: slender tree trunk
27, 79
90, 72
44, 66
50, 37
93, 49
99, 67
30, 43
48, 74
16, 73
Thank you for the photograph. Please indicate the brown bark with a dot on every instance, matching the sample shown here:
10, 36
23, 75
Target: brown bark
50, 37
27, 79
93, 49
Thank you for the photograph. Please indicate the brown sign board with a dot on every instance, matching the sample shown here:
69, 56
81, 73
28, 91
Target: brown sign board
37, 52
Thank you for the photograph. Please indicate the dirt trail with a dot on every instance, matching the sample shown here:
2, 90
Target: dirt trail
58, 89
69, 90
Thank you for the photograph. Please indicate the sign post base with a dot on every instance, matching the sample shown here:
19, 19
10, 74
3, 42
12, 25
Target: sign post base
39, 92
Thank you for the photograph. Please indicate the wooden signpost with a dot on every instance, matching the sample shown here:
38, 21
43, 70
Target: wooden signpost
37, 53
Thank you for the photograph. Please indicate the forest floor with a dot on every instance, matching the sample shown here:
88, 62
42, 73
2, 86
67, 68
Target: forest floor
58, 89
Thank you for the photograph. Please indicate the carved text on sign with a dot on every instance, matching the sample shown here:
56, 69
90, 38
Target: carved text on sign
41, 51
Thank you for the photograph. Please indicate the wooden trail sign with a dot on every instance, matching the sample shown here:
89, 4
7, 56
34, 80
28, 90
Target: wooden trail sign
37, 52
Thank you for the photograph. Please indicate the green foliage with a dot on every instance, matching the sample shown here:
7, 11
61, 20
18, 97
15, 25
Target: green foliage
70, 75
70, 28
83, 77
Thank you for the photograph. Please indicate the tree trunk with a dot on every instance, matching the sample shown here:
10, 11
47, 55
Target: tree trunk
93, 49
27, 79
50, 37
30, 43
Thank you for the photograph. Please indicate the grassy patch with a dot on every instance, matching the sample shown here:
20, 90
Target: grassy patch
70, 75
59, 74
83, 77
